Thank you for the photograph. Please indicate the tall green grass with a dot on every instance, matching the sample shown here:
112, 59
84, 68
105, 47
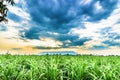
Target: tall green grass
59, 67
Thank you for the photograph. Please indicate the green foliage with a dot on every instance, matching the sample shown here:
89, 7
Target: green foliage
4, 9
59, 67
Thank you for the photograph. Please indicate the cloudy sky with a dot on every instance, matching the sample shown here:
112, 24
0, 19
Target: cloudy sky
85, 26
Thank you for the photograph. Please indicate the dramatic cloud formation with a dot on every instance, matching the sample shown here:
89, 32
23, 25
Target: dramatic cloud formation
87, 24
60, 16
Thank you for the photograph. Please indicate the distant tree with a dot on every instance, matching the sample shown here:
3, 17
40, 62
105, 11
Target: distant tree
7, 52
4, 9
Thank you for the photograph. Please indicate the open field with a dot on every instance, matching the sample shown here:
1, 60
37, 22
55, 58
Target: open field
59, 67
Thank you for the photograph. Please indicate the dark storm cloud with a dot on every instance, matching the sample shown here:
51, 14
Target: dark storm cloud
61, 16
71, 40
60, 13
32, 33
107, 5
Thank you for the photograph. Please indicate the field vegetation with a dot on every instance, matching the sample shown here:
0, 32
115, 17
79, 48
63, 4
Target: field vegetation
57, 67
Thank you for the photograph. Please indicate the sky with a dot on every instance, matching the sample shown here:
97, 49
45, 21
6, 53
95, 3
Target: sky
83, 26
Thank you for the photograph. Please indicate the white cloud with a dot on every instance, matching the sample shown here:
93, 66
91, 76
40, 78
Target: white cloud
53, 33
91, 43
22, 13
19, 12
10, 33
84, 2
46, 42
98, 7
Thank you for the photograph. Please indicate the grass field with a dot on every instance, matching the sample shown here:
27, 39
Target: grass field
59, 67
